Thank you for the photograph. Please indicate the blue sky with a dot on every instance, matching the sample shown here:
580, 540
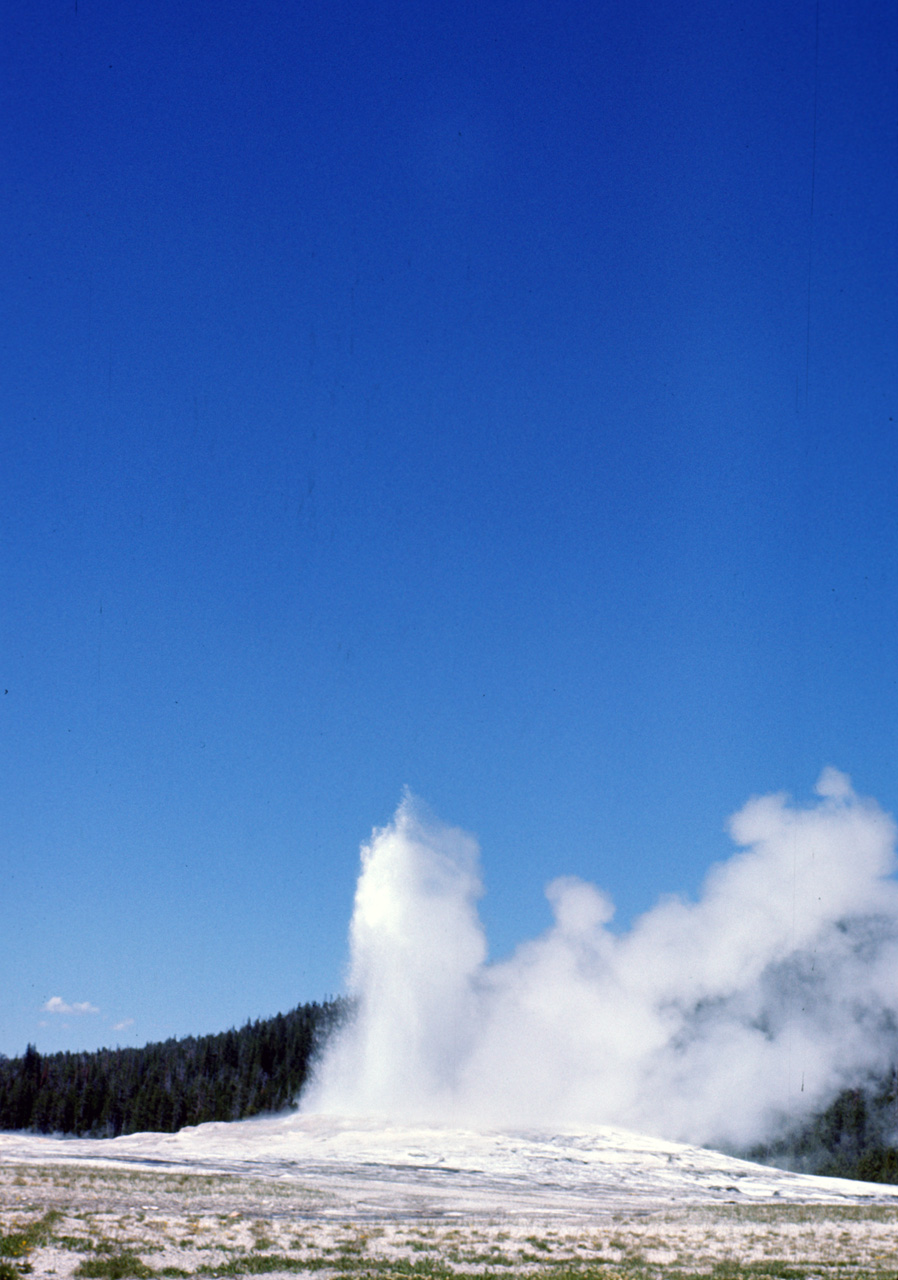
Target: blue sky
494, 400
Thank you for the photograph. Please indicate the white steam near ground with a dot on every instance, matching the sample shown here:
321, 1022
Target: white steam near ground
711, 1022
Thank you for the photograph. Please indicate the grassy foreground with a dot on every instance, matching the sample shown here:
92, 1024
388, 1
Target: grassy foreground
98, 1222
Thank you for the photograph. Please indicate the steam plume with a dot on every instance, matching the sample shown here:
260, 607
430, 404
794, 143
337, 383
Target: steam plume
708, 1021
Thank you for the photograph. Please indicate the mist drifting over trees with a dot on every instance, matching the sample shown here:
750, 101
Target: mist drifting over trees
724, 1022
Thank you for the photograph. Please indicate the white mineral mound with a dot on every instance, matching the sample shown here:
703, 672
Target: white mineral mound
438, 1170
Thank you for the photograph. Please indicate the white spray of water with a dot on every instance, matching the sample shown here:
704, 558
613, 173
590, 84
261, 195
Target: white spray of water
708, 1021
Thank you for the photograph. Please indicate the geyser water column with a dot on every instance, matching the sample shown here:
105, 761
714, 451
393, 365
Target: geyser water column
715, 1021
416, 944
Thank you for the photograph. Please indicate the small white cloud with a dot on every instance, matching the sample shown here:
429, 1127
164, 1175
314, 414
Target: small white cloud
56, 1004
834, 785
123, 1025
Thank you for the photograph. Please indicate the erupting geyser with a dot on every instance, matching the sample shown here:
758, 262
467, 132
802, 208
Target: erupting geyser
708, 1021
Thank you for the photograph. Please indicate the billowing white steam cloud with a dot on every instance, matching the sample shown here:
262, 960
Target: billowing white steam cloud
708, 1021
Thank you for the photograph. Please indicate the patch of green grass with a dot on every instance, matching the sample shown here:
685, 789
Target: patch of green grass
18, 1244
115, 1266
75, 1244
423, 1267
254, 1264
538, 1243
103, 1244
262, 1263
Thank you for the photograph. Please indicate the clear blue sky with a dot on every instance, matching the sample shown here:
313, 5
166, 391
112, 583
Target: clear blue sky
498, 400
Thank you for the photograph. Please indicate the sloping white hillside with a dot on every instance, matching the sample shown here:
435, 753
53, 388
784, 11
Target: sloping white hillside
457, 1170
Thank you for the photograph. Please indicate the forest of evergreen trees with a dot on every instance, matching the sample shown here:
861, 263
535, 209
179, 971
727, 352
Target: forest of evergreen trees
854, 1137
163, 1087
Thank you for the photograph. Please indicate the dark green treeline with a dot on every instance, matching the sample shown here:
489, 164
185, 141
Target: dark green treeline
854, 1137
163, 1087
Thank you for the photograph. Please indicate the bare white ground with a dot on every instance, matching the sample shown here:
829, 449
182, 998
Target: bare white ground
364, 1167
100, 1215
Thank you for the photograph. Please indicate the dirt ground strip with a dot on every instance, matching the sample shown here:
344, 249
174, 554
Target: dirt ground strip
70, 1220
